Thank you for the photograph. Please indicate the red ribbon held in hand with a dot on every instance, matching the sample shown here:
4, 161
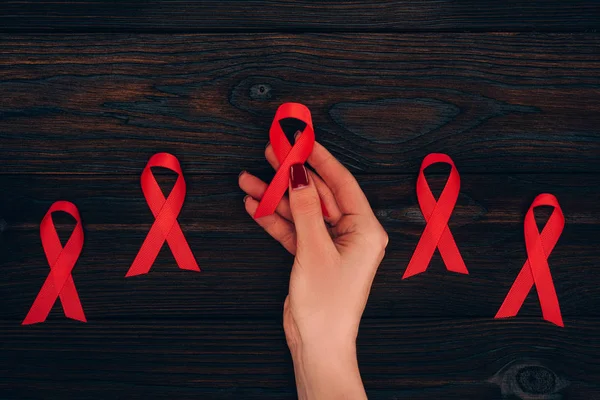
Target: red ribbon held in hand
287, 155
59, 283
437, 214
536, 270
165, 227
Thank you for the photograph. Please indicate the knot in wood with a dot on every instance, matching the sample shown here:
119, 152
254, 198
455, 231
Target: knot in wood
536, 379
529, 380
261, 91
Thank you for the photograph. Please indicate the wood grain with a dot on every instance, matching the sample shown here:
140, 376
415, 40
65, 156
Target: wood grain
117, 200
239, 279
304, 15
516, 105
497, 103
245, 272
400, 359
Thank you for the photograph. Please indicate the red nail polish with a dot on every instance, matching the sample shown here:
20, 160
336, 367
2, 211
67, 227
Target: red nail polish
298, 176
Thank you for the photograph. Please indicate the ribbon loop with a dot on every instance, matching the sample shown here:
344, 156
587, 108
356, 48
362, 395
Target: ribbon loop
536, 269
437, 214
59, 283
287, 154
165, 211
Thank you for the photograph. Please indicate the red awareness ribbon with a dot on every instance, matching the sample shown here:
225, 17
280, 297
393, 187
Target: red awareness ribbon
437, 214
59, 283
165, 211
536, 270
287, 155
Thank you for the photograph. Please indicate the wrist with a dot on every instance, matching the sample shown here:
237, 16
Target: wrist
322, 349
326, 350
327, 371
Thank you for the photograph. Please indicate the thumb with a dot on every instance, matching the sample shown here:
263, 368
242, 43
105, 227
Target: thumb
305, 205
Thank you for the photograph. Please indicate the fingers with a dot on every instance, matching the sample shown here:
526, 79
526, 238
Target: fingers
255, 188
275, 225
311, 232
346, 190
326, 195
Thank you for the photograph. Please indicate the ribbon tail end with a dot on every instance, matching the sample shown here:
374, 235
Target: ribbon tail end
459, 268
504, 313
133, 273
79, 318
191, 268
34, 317
324, 210
558, 321
408, 274
260, 213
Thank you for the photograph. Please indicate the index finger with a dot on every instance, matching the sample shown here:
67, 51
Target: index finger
346, 190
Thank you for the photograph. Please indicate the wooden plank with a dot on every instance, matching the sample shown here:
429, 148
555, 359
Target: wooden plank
212, 200
411, 358
245, 273
248, 277
304, 15
494, 102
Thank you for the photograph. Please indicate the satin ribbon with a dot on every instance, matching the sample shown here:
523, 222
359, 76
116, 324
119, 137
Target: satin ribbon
165, 211
59, 283
436, 214
536, 270
287, 155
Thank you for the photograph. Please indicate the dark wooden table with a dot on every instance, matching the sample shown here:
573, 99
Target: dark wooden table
89, 90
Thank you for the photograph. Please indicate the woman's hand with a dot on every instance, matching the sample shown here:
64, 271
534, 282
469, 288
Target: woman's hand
333, 270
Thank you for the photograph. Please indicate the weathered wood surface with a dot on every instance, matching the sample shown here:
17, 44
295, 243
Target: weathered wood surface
80, 114
117, 200
497, 103
304, 15
241, 279
411, 358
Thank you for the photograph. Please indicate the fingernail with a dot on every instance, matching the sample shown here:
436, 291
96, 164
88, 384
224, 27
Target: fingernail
267, 145
246, 198
297, 134
241, 173
298, 176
